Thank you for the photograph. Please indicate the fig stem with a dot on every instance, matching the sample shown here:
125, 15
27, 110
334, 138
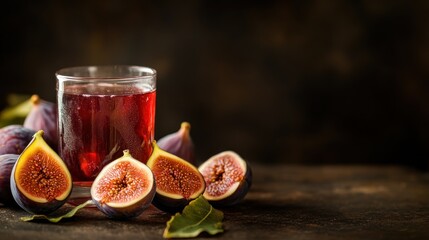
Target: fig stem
185, 128
154, 145
185, 125
127, 153
39, 134
35, 99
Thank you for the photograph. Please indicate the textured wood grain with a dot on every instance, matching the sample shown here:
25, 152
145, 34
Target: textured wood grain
285, 202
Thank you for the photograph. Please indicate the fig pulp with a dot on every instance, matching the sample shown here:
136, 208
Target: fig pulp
177, 181
7, 161
179, 143
228, 178
40, 181
14, 139
124, 188
43, 116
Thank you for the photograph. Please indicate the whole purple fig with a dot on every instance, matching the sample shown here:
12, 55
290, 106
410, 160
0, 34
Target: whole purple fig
7, 161
179, 143
14, 139
43, 116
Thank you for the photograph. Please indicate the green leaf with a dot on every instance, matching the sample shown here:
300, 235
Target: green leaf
197, 217
69, 214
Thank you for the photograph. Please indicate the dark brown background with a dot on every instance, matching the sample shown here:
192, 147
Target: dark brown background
276, 81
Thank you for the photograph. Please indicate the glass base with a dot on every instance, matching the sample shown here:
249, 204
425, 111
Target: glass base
81, 193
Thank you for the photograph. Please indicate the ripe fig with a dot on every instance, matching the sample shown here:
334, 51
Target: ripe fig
179, 143
40, 181
43, 116
228, 178
7, 161
14, 139
177, 181
124, 188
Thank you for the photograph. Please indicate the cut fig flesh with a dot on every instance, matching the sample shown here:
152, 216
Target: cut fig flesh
123, 182
175, 177
223, 174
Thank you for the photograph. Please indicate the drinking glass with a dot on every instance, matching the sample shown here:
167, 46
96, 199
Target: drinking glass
103, 110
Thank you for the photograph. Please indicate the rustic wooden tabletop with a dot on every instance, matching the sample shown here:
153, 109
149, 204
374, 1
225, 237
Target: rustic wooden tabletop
285, 202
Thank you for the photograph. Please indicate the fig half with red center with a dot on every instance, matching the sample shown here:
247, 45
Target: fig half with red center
124, 188
228, 178
40, 181
177, 181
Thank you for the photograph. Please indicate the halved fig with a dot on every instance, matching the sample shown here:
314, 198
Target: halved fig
7, 161
124, 188
179, 143
228, 178
177, 181
40, 181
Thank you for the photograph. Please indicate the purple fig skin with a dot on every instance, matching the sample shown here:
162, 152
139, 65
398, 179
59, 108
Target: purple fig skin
14, 139
179, 143
43, 116
128, 212
170, 205
126, 209
244, 184
7, 161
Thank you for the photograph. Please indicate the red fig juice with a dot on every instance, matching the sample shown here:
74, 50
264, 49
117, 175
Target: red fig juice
95, 128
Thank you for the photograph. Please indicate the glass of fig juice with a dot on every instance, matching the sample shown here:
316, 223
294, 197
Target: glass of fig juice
103, 110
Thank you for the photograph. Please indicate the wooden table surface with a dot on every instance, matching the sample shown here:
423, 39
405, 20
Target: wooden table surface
285, 202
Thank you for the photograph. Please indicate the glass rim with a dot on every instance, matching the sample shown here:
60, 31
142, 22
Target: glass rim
82, 73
